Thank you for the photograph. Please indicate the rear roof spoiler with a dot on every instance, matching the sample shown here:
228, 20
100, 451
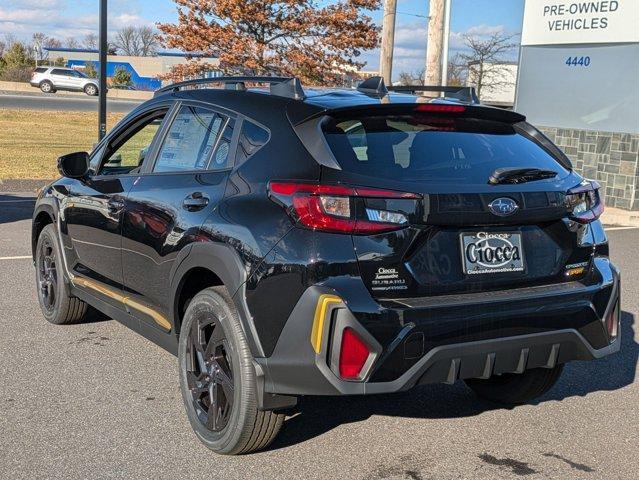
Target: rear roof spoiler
481, 112
464, 94
376, 86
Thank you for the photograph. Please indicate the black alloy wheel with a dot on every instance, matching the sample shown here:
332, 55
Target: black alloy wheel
209, 372
48, 277
58, 305
218, 378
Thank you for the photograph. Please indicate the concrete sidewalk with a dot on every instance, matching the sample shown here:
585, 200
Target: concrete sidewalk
620, 218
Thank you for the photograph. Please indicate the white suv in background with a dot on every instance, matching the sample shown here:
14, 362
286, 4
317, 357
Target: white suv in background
52, 79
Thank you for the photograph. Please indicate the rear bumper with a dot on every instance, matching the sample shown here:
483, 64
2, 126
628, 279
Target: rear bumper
444, 339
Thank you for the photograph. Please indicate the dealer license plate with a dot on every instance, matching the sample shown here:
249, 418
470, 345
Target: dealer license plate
492, 252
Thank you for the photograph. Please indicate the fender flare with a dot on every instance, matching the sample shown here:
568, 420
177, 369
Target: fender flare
46, 205
225, 262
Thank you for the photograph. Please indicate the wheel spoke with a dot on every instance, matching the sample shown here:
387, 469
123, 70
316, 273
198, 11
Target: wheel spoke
210, 377
213, 412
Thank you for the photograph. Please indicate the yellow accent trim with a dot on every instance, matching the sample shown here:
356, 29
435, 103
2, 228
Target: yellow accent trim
157, 317
317, 331
573, 272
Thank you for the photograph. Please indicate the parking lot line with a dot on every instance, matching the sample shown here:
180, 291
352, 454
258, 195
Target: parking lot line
24, 257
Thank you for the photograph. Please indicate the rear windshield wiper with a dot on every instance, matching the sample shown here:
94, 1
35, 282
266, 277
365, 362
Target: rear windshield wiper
519, 175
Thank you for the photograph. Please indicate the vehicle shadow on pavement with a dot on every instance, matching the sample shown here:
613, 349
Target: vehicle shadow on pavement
14, 208
315, 416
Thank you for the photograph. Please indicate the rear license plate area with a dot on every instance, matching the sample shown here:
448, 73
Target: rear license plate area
492, 252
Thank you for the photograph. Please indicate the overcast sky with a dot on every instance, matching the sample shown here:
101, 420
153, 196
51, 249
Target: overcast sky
76, 18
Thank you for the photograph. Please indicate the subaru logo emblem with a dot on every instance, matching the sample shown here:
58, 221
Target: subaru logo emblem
503, 206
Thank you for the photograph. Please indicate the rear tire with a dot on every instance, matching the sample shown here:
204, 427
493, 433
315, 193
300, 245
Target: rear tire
217, 378
514, 388
47, 87
58, 305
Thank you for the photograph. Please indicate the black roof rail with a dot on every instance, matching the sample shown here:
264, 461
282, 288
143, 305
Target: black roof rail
373, 86
289, 87
465, 94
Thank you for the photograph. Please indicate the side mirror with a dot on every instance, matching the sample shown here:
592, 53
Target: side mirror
74, 165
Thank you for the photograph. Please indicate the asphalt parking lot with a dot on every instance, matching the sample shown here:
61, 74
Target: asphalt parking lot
97, 401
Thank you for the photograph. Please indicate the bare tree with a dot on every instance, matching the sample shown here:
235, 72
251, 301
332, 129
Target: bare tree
90, 41
412, 78
137, 41
457, 71
41, 42
71, 42
486, 60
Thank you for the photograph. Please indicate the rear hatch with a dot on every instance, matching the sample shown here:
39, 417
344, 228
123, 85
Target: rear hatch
494, 202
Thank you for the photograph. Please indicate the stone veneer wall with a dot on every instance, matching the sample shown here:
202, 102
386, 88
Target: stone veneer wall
610, 158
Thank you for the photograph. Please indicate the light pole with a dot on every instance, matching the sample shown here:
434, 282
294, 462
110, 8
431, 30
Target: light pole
102, 89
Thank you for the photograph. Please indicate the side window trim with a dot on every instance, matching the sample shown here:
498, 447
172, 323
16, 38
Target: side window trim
169, 119
239, 127
103, 147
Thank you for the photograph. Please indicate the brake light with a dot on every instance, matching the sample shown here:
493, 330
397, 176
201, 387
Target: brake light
440, 108
332, 208
585, 202
352, 356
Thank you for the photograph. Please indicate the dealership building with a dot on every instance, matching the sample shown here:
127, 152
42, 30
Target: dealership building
144, 70
578, 81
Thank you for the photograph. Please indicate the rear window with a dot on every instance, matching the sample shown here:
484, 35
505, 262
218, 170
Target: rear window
40, 70
415, 147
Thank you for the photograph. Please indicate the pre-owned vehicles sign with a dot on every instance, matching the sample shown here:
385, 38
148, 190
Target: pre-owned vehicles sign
557, 22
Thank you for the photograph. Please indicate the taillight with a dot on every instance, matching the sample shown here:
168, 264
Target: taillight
440, 108
584, 202
334, 208
352, 356
612, 322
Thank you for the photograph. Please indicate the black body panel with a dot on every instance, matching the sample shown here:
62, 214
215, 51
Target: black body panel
136, 243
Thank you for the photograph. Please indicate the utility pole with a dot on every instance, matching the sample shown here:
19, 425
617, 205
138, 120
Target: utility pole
388, 41
102, 89
435, 39
446, 37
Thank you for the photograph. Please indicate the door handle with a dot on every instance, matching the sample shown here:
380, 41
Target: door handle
195, 201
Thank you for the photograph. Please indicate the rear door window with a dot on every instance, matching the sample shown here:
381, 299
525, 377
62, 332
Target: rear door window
198, 138
415, 147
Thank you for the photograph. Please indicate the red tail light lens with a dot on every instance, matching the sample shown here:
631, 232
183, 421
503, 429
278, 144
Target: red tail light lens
585, 202
353, 355
440, 108
331, 208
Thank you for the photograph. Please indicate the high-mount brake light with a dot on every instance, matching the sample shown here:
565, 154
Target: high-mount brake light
331, 208
585, 202
440, 108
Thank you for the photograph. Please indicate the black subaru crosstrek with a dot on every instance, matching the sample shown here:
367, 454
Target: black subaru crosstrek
284, 242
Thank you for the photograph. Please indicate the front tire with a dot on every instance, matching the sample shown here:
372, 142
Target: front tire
58, 305
91, 90
217, 378
514, 388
